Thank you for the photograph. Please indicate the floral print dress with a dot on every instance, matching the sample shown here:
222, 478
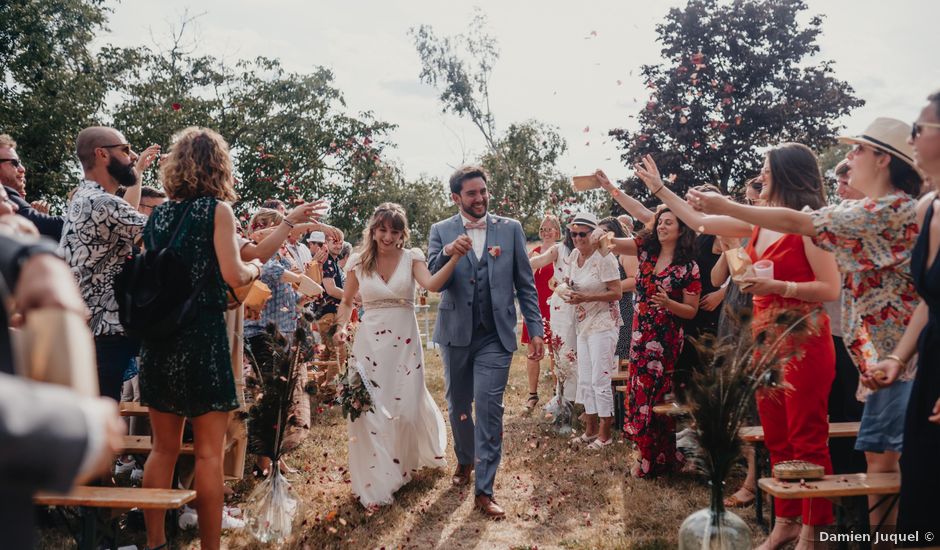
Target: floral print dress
657, 341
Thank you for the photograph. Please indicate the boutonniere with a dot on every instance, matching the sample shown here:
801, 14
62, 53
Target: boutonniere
494, 251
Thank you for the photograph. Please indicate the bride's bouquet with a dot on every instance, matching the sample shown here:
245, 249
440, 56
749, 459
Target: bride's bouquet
355, 389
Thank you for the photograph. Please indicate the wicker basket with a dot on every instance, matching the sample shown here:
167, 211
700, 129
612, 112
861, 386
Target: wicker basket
798, 469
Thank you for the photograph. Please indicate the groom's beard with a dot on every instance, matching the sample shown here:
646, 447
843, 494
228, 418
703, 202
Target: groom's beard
472, 209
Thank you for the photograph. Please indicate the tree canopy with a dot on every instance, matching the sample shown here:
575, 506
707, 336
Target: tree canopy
738, 77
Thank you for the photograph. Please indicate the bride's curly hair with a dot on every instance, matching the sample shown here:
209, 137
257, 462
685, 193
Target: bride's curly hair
387, 213
198, 165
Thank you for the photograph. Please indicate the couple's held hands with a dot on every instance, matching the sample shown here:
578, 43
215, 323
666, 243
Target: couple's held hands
460, 246
536, 348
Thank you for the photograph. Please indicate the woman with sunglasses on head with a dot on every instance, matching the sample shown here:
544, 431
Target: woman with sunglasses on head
920, 479
794, 421
872, 239
667, 292
549, 233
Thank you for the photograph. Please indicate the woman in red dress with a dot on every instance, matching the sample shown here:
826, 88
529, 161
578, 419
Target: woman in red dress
549, 232
795, 423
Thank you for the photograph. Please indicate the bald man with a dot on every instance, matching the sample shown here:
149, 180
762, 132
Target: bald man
100, 229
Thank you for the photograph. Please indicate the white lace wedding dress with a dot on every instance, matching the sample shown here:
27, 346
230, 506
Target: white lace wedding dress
405, 432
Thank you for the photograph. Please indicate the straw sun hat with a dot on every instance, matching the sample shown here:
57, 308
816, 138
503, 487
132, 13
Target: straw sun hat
888, 135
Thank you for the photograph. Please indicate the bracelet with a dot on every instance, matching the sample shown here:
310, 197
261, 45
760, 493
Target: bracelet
790, 291
287, 222
658, 190
896, 358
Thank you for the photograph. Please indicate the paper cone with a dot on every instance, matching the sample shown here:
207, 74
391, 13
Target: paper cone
585, 183
256, 295
308, 287
56, 346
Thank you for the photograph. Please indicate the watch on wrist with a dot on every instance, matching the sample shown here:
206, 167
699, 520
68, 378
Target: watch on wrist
24, 254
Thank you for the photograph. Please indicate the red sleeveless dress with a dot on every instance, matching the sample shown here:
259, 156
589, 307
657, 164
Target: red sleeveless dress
542, 278
795, 419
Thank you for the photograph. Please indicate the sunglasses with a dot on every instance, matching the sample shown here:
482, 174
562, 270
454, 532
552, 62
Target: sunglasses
15, 162
756, 185
580, 234
918, 127
123, 147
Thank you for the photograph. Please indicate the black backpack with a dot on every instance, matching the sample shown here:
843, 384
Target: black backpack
155, 293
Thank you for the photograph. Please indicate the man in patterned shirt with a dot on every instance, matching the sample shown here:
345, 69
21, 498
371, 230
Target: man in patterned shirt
100, 229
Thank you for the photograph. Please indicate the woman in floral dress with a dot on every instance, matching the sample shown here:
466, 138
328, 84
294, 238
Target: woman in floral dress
667, 291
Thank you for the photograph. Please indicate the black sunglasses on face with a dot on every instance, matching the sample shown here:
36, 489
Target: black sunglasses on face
581, 234
124, 147
15, 162
918, 127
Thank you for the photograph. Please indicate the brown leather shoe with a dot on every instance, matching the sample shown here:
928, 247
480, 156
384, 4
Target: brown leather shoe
488, 506
462, 475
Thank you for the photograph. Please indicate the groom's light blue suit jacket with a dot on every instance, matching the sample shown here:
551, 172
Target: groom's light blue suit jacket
509, 274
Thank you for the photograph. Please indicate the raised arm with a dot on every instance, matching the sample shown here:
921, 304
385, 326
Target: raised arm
434, 282
634, 207
298, 218
538, 261
713, 225
235, 272
775, 218
344, 311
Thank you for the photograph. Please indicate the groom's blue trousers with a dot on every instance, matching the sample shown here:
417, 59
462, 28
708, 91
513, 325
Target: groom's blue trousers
476, 376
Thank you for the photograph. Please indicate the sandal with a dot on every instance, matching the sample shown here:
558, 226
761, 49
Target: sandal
599, 444
532, 401
583, 439
734, 501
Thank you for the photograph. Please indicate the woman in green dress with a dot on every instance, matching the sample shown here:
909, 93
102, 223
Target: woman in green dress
190, 375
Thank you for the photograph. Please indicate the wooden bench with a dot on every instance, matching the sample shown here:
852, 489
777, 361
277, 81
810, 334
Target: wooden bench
142, 445
755, 434
672, 409
620, 376
87, 499
133, 408
834, 487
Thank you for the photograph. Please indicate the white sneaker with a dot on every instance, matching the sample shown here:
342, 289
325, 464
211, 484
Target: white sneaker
228, 522
189, 519
124, 467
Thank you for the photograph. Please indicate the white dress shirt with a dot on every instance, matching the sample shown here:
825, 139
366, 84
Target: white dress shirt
478, 236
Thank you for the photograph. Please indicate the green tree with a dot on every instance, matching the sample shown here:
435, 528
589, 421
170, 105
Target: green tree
51, 84
737, 77
524, 180
289, 133
424, 199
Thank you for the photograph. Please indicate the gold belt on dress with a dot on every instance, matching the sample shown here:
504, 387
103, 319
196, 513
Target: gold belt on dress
389, 303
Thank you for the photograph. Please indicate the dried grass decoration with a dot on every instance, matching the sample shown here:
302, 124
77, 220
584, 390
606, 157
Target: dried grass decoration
798, 469
720, 393
356, 390
271, 506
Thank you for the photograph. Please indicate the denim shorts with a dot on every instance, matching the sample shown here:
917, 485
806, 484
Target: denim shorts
882, 427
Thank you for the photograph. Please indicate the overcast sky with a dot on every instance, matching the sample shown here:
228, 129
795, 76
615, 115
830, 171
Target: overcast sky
560, 62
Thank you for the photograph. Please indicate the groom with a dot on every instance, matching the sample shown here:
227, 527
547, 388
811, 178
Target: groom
476, 325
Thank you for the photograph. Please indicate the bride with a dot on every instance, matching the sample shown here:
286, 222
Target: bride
405, 430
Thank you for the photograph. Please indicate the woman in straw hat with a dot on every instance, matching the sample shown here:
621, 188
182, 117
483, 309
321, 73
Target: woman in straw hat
920, 478
872, 239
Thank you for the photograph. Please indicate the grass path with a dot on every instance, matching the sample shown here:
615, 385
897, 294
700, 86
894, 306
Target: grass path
554, 497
